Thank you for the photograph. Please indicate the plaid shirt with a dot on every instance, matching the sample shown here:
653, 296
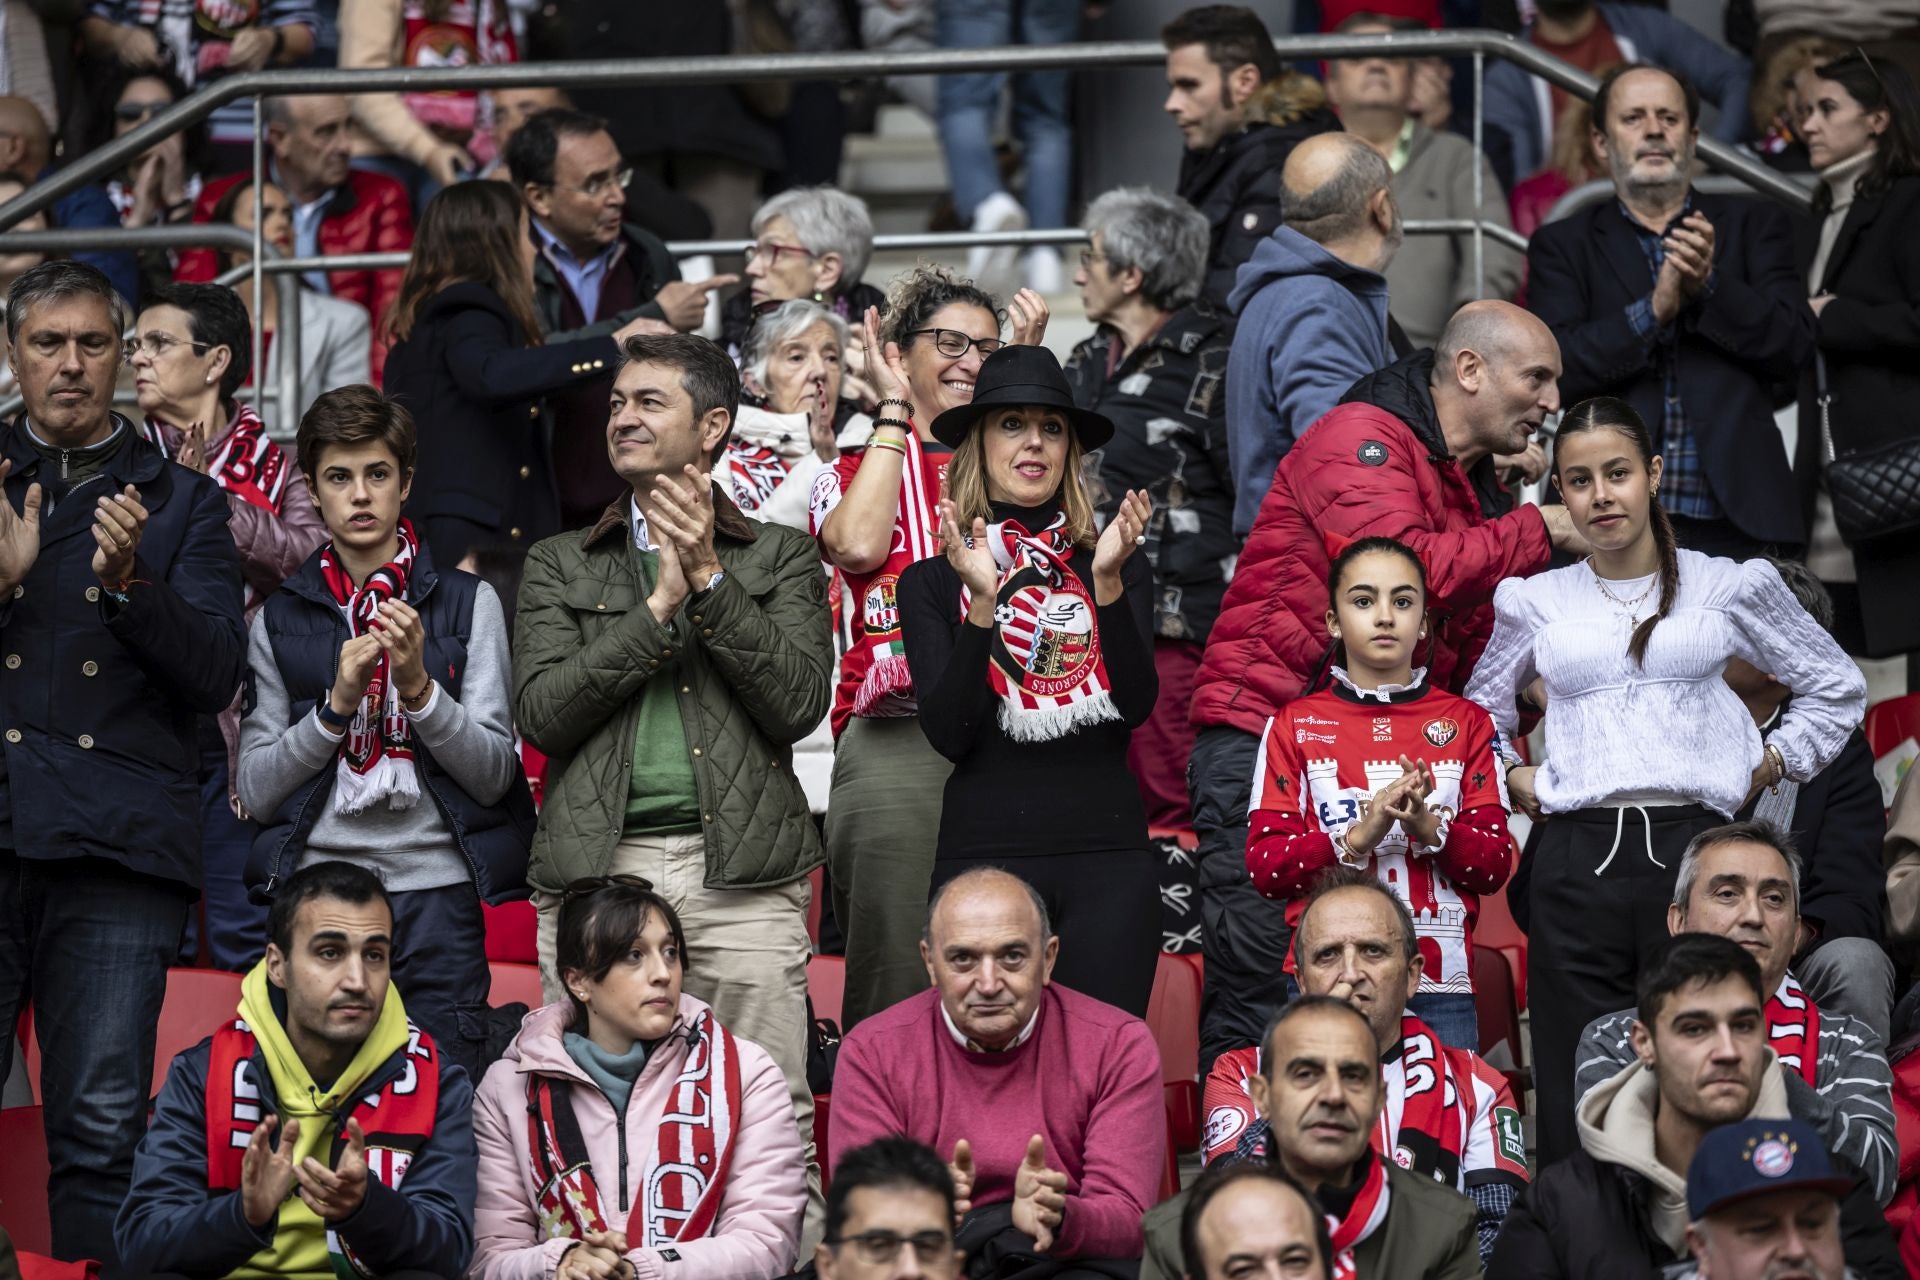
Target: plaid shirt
1684, 490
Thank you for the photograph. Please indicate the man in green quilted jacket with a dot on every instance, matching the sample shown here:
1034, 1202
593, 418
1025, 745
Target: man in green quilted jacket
666, 660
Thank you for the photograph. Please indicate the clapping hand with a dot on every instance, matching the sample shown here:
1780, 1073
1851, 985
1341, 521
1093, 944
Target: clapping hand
193, 449
960, 1169
118, 522
336, 1194
971, 558
266, 1171
19, 533
1408, 805
1028, 311
1119, 540
601, 1256
1039, 1195
402, 636
885, 371
683, 511
1689, 246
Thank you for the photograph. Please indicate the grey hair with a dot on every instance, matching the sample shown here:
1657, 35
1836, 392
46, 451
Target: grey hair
57, 281
1807, 589
1337, 208
967, 878
785, 322
826, 220
1162, 235
1756, 831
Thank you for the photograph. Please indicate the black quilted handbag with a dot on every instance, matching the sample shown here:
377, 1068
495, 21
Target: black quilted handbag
1876, 493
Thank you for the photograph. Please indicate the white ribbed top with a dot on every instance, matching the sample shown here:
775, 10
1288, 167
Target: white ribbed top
1672, 730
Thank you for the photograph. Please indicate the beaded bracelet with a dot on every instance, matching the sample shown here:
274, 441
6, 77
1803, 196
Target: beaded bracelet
904, 404
892, 422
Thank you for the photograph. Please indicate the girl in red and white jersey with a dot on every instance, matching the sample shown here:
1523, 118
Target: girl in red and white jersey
1383, 772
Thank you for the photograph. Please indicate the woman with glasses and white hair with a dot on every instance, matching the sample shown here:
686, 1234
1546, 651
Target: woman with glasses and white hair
808, 242
792, 421
1154, 367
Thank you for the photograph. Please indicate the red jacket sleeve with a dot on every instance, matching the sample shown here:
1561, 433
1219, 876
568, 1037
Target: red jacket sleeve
1285, 847
198, 266
392, 233
1477, 855
1225, 1103
1343, 493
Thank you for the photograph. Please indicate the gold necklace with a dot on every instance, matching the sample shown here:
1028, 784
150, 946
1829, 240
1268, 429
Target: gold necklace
1627, 605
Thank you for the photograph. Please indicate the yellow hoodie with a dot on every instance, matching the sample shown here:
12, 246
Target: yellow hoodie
299, 1245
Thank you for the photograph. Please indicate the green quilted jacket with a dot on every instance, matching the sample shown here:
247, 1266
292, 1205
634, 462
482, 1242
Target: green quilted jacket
756, 676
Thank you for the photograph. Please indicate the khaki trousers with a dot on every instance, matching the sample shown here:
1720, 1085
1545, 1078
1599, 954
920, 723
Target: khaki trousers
747, 957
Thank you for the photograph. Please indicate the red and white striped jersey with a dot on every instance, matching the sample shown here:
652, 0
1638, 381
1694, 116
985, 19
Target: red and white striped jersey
1323, 758
1494, 1148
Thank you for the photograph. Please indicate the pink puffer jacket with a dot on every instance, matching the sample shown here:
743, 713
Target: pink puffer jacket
758, 1228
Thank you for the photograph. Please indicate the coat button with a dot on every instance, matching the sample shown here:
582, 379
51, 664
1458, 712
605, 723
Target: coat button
533, 411
602, 606
19, 591
696, 617
599, 364
696, 753
526, 473
86, 742
89, 668
685, 689
13, 735
666, 653
514, 533
707, 632
93, 595
13, 662
706, 817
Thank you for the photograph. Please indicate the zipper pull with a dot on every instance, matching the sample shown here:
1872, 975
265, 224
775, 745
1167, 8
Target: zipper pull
64, 456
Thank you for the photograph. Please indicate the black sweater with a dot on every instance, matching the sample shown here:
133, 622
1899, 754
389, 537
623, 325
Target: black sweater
1071, 794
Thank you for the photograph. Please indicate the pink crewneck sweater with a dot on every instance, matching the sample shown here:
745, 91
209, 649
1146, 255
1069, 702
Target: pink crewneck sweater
1087, 1081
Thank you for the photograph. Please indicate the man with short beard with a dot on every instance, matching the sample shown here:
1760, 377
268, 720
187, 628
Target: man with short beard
1617, 1208
121, 627
1687, 306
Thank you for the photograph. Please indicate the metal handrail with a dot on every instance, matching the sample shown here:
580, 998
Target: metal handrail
731, 68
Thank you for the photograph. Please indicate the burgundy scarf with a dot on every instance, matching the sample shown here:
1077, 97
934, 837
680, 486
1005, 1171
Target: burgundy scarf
376, 759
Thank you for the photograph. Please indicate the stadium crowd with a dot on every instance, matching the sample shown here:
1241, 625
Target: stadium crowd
1407, 583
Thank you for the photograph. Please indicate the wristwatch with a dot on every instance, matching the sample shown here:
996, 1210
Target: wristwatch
329, 717
719, 576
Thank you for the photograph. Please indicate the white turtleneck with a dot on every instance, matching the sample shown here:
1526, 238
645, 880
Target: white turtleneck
1840, 180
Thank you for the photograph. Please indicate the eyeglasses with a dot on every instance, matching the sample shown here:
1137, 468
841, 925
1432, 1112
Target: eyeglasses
1088, 257
953, 344
878, 1248
772, 249
157, 345
134, 112
593, 884
597, 185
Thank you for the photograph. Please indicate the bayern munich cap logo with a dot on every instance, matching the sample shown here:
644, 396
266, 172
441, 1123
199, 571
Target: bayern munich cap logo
1772, 1158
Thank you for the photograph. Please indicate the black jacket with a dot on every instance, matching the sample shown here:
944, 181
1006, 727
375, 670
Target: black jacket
1236, 184
652, 262
1168, 403
474, 386
1869, 336
100, 702
1581, 1219
1839, 825
307, 629
1748, 332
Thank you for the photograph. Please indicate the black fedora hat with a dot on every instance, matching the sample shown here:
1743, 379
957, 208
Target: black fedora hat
1022, 376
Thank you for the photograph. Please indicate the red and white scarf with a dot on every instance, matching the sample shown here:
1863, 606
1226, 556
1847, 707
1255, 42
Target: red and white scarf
1364, 1217
1047, 669
1793, 1029
247, 465
888, 681
1432, 1133
376, 756
692, 1157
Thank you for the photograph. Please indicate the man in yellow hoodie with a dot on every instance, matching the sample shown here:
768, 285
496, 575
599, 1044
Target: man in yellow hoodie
319, 1134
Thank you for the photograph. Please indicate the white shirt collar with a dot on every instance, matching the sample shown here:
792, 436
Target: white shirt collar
1380, 692
637, 524
960, 1037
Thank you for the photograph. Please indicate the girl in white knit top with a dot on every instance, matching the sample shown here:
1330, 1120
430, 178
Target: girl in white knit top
1647, 746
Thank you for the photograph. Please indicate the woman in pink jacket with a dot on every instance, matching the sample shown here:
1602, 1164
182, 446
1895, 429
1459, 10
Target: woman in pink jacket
627, 1127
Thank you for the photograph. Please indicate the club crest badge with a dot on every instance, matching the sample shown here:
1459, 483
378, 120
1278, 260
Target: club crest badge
1440, 732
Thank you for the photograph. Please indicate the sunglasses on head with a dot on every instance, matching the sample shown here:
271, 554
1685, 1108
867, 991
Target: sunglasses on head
593, 884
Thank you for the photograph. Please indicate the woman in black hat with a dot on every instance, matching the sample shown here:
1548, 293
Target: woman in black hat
1031, 649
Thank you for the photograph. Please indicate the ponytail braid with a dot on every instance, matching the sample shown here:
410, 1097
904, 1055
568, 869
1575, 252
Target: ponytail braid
1669, 580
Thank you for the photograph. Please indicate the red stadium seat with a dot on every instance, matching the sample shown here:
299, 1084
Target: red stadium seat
827, 986
1495, 927
1891, 722
1169, 1169
23, 1180
1173, 1016
198, 1002
512, 930
1498, 1010
36, 1266
515, 983
822, 1114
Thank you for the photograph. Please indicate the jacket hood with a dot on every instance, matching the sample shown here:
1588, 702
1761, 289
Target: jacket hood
293, 1084
540, 1045
1616, 1124
1287, 255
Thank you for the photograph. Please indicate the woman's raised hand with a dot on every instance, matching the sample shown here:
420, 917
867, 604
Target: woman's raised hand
886, 373
1123, 536
972, 559
1028, 312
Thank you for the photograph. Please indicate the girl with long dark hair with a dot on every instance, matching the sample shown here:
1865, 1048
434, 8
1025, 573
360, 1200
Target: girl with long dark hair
1380, 770
1647, 745
469, 364
1861, 121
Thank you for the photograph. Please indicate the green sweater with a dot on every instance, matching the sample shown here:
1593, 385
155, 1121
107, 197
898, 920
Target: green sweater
661, 796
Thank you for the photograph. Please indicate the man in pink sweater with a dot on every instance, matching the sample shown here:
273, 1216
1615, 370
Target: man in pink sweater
1047, 1102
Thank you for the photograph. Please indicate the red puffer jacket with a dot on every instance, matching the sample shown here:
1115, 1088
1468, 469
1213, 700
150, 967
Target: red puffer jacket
369, 214
1901, 1215
1375, 466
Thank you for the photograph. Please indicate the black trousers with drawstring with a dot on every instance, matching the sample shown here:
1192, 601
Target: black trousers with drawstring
1601, 882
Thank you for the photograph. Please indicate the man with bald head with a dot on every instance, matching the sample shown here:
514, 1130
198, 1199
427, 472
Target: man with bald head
1312, 304
1407, 454
26, 148
1688, 306
1047, 1102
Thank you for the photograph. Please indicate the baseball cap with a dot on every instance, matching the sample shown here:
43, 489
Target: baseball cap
1754, 1158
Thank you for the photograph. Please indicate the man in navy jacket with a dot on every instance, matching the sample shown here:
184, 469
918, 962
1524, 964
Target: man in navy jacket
120, 599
